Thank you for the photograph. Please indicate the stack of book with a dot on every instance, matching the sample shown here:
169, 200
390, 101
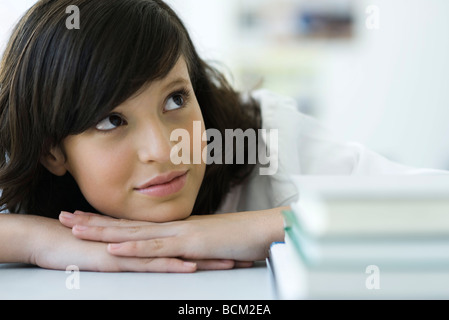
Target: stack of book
365, 238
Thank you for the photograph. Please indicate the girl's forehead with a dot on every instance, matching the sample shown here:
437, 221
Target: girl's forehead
177, 76
179, 69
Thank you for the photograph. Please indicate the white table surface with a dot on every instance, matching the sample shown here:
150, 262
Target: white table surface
29, 282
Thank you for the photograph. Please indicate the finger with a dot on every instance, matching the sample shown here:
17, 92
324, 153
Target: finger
169, 247
67, 219
160, 247
83, 213
122, 234
163, 265
244, 264
71, 219
210, 264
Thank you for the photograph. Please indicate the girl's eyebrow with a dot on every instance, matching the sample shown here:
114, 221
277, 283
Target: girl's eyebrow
169, 86
176, 82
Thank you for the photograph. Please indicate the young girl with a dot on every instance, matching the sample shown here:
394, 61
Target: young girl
86, 123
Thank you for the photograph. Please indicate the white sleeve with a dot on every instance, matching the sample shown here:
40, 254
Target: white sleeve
306, 147
322, 154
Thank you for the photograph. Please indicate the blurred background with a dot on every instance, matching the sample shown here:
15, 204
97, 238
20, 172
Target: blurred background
375, 72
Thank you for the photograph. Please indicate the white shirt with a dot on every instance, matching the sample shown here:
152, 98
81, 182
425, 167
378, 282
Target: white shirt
305, 148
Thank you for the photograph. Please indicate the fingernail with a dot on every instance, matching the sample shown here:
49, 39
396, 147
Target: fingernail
66, 215
114, 246
80, 228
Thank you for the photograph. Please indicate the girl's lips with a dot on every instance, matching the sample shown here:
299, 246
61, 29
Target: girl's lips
172, 183
161, 179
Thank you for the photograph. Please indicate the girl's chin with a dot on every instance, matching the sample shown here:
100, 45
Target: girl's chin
157, 215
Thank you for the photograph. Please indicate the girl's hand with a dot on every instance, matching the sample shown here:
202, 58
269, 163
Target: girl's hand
243, 236
55, 247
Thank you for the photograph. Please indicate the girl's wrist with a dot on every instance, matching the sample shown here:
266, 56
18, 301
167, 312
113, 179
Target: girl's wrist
270, 228
15, 230
22, 236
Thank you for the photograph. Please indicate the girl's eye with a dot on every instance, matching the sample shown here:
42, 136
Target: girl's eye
110, 122
176, 101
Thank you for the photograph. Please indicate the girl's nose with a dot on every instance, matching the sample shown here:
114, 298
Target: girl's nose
153, 143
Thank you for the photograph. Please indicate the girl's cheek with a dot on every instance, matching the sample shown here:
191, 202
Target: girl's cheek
95, 166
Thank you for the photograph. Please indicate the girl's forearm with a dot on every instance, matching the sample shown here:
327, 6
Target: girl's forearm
16, 237
271, 224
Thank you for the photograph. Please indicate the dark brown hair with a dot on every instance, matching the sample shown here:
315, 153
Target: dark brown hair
56, 82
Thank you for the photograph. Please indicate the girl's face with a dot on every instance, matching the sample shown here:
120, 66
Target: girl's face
123, 165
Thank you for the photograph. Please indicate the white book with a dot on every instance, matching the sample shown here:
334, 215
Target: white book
366, 206
295, 280
399, 250
410, 253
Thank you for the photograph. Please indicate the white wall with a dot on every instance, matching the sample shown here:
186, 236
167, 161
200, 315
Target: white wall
10, 12
391, 90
